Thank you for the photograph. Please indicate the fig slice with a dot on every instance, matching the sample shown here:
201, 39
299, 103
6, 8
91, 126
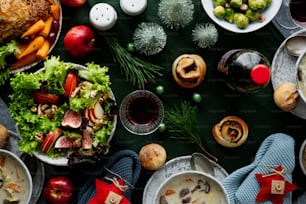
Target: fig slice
87, 140
72, 119
64, 142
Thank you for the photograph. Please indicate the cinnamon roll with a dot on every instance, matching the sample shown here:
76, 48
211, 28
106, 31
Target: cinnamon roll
231, 131
189, 70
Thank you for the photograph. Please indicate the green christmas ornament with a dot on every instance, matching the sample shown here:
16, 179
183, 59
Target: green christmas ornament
160, 90
130, 47
162, 128
196, 97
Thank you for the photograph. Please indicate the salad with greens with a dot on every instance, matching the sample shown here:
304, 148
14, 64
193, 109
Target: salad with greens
64, 110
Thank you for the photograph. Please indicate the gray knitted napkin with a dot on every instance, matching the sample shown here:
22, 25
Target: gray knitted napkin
242, 185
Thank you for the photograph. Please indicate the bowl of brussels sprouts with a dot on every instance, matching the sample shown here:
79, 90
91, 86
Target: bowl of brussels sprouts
241, 16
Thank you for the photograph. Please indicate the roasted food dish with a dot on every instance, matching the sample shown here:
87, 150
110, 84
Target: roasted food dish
16, 16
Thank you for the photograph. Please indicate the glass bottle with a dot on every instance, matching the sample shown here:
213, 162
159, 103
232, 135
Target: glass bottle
245, 70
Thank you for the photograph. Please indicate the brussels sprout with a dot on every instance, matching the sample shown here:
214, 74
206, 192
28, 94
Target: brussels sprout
219, 3
241, 20
257, 4
268, 2
229, 15
253, 15
236, 3
219, 11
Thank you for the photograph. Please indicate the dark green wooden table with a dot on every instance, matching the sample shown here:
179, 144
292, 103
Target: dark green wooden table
258, 110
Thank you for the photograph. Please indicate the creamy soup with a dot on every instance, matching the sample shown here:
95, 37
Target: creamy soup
304, 158
193, 189
13, 180
302, 75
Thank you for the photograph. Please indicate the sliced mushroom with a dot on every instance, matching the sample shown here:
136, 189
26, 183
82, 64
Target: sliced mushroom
202, 186
10, 202
163, 200
1, 180
184, 192
186, 200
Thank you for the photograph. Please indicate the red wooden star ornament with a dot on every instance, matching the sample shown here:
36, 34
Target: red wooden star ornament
273, 186
109, 193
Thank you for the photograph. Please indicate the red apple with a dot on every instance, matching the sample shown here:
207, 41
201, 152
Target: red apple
79, 41
58, 190
73, 3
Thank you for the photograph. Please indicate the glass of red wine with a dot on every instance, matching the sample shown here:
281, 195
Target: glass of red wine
297, 10
283, 17
141, 112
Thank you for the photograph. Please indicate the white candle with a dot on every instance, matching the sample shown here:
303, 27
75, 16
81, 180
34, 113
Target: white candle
102, 16
133, 7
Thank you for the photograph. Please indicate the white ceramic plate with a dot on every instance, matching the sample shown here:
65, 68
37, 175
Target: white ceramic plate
284, 70
268, 13
63, 161
172, 167
26, 67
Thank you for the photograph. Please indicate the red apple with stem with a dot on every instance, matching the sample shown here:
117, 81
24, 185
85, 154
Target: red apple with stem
79, 41
73, 3
58, 190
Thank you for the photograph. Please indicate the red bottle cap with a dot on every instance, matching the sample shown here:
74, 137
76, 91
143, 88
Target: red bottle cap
260, 74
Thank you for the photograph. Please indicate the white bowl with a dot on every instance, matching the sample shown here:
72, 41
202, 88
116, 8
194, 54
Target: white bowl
301, 75
211, 190
268, 13
18, 173
302, 157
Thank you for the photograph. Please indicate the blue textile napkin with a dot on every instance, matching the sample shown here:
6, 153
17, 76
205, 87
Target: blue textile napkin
125, 163
242, 185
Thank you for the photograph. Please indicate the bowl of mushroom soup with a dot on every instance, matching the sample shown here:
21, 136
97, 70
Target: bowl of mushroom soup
15, 179
189, 187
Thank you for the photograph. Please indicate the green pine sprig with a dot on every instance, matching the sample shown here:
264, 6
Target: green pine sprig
136, 70
182, 122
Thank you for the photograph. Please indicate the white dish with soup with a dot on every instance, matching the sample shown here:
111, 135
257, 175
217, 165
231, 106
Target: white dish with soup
191, 187
15, 179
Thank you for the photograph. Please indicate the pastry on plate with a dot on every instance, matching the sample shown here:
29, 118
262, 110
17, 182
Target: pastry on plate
231, 131
286, 96
189, 70
152, 156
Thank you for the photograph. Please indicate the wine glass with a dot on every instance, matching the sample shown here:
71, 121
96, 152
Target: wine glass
297, 10
284, 18
141, 112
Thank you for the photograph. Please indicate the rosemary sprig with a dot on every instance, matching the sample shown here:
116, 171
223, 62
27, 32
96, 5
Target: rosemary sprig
182, 122
136, 70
